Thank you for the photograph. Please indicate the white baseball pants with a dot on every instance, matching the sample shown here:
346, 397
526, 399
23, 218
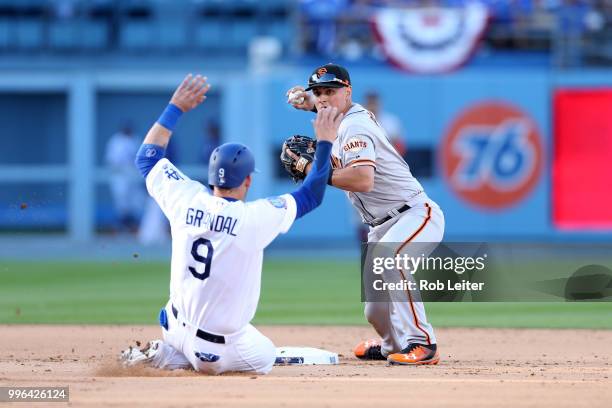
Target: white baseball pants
246, 350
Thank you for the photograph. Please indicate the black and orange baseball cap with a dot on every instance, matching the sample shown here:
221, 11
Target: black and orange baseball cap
329, 76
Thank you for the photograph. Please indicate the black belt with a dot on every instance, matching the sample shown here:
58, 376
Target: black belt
394, 213
213, 338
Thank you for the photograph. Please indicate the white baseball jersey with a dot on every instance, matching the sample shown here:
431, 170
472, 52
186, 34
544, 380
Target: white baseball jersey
362, 141
217, 248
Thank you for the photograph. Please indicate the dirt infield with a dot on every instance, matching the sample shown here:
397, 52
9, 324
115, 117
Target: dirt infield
479, 367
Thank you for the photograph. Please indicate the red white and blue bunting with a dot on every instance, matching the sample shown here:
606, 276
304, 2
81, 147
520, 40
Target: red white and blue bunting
430, 40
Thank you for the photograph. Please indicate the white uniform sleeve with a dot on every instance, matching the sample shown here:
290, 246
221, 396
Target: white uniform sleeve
170, 188
269, 217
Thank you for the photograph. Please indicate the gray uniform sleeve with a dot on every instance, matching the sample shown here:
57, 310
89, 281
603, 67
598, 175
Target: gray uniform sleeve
358, 150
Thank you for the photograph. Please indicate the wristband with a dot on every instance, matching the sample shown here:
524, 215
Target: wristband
170, 116
301, 164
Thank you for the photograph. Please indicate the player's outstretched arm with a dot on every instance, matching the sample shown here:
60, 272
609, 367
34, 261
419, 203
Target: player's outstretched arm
310, 195
189, 94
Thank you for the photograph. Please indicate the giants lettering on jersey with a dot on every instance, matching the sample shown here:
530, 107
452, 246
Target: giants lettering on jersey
354, 145
217, 223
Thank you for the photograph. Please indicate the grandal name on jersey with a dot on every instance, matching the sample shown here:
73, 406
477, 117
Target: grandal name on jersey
216, 223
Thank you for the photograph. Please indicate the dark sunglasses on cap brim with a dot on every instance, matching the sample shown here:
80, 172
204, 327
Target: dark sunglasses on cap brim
325, 79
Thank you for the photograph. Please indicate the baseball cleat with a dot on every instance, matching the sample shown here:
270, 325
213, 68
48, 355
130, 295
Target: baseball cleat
416, 354
369, 350
134, 355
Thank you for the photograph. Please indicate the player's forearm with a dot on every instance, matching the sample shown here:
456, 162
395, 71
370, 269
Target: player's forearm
310, 195
161, 131
158, 135
359, 179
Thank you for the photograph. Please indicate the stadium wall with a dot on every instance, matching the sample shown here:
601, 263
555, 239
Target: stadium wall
56, 124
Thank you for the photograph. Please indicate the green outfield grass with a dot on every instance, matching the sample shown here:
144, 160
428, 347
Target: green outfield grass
293, 292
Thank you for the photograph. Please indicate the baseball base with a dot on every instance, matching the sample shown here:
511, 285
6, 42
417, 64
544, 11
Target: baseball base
304, 356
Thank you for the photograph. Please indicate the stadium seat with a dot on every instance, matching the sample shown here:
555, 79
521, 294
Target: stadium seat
137, 31
94, 35
172, 34
242, 31
275, 21
172, 26
136, 35
210, 33
29, 33
7, 27
281, 30
64, 35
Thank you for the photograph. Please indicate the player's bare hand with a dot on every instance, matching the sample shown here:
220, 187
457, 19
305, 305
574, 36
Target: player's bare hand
327, 123
300, 99
191, 92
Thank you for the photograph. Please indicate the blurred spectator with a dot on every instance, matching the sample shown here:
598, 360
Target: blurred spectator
598, 41
390, 122
573, 20
212, 139
125, 183
355, 37
106, 12
319, 21
64, 9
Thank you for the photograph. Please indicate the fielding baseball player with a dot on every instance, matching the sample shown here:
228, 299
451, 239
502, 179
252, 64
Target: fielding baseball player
217, 245
390, 201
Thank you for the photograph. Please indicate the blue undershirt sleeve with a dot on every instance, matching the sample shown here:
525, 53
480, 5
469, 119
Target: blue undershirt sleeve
310, 194
148, 155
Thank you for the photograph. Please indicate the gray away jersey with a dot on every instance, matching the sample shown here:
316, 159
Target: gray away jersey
363, 142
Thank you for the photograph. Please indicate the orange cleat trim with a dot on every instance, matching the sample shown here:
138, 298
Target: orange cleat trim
361, 349
418, 356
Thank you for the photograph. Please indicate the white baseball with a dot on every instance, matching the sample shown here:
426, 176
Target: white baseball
295, 99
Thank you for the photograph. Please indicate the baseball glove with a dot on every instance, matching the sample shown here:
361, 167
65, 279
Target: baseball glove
305, 148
